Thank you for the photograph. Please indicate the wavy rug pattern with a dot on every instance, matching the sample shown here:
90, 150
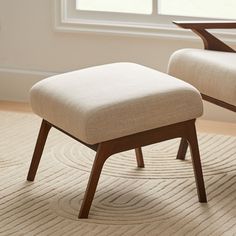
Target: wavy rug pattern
160, 199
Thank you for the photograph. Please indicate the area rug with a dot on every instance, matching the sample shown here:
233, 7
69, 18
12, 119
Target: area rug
160, 199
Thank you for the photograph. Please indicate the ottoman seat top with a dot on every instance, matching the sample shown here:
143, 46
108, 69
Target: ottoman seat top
105, 102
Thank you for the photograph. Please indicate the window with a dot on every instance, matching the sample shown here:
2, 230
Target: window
122, 6
140, 17
224, 9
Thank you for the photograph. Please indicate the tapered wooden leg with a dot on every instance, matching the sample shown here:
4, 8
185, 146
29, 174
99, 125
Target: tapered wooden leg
42, 137
197, 167
139, 157
182, 149
103, 153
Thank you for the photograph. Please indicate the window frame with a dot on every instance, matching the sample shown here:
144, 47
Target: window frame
68, 19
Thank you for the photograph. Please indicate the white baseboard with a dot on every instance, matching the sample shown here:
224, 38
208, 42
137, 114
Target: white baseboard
16, 83
216, 113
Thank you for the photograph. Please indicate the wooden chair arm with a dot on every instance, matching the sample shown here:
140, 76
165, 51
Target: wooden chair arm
206, 24
210, 41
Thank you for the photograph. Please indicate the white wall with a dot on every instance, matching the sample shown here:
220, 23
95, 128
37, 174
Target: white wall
30, 50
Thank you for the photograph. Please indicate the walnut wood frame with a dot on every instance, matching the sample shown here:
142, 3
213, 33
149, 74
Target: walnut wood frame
186, 130
210, 43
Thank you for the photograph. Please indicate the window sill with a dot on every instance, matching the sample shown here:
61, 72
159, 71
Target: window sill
65, 23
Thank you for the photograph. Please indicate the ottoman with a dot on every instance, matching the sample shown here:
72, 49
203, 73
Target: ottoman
117, 107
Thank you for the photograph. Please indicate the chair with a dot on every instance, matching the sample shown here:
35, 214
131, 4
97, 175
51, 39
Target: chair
211, 70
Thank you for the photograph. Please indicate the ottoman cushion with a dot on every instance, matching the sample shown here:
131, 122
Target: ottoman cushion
115, 100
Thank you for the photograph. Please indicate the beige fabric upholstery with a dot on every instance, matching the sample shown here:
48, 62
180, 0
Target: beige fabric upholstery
110, 101
212, 73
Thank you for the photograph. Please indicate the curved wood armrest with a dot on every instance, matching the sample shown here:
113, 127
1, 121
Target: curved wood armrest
210, 41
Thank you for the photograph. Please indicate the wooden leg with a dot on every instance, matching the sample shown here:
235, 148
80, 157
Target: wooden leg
182, 149
139, 157
193, 144
104, 150
103, 153
42, 137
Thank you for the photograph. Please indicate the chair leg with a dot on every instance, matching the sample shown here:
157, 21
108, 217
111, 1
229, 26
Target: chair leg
182, 149
103, 153
193, 144
139, 157
42, 137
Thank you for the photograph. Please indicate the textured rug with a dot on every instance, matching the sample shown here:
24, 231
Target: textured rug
160, 199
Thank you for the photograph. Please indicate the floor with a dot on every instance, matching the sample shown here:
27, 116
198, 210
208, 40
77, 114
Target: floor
202, 125
129, 201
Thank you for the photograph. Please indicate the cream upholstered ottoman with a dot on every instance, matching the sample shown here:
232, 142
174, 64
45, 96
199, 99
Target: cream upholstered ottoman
114, 108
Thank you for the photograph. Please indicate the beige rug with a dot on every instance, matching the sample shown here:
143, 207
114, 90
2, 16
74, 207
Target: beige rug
158, 200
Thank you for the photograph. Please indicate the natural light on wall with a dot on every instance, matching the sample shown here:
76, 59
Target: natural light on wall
225, 9
121, 6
